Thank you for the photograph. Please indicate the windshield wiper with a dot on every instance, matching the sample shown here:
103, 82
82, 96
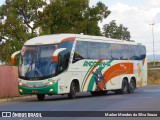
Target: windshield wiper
30, 65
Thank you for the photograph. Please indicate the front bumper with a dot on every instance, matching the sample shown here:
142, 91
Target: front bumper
50, 90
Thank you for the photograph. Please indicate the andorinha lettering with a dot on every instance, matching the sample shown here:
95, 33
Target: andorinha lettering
94, 63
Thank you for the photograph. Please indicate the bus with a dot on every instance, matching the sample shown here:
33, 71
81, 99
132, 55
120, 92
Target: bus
72, 63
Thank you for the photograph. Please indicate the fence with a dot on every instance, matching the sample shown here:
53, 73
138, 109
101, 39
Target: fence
8, 81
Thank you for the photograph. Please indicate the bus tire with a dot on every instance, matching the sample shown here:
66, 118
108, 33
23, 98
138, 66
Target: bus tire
40, 97
132, 86
124, 89
72, 93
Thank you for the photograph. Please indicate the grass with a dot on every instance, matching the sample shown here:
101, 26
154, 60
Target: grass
153, 77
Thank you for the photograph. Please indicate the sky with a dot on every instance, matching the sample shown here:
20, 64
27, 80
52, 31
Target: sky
136, 15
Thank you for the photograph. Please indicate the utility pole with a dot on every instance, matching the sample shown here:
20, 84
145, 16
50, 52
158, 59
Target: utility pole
153, 42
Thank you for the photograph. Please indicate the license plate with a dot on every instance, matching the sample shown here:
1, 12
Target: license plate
34, 91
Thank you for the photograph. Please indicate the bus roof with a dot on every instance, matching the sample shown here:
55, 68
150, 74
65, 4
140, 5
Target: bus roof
57, 38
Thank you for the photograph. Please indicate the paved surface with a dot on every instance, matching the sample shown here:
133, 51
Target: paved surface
144, 99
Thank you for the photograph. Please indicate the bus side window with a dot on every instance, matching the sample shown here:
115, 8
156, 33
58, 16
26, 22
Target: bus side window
137, 50
133, 50
116, 51
143, 52
80, 51
126, 52
64, 56
105, 51
63, 60
93, 50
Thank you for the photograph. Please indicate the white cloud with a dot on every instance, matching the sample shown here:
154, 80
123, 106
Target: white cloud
152, 4
137, 19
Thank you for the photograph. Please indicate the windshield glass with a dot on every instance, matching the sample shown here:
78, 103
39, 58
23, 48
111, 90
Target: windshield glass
36, 62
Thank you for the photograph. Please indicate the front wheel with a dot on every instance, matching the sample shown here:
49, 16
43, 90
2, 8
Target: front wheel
72, 93
40, 97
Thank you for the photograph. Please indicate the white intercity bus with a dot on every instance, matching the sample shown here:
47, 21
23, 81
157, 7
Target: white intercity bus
72, 63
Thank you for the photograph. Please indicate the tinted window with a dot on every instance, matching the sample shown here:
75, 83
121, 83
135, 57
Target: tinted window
126, 52
116, 51
133, 52
105, 50
66, 44
64, 55
138, 53
142, 52
80, 51
93, 50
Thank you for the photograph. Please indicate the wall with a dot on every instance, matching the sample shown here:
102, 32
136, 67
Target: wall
8, 81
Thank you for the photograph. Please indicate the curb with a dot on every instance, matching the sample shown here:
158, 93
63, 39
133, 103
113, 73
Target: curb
16, 98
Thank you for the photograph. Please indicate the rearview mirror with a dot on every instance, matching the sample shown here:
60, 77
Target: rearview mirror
13, 56
55, 54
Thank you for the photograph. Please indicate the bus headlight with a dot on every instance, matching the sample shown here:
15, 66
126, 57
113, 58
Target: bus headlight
20, 83
50, 90
21, 90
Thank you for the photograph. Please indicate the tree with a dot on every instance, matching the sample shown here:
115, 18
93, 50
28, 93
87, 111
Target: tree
73, 16
112, 30
19, 20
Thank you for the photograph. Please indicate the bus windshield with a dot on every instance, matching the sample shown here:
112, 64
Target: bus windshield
36, 62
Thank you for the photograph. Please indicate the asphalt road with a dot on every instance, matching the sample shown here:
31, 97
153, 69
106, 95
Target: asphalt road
143, 99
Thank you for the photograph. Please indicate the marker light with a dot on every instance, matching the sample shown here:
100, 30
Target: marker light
50, 83
50, 90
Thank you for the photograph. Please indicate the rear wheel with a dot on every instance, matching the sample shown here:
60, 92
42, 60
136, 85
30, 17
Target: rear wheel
72, 93
40, 97
132, 86
124, 88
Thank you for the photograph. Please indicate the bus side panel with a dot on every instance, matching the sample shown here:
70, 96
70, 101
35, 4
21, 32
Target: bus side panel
113, 72
66, 80
79, 71
144, 72
140, 71
62, 83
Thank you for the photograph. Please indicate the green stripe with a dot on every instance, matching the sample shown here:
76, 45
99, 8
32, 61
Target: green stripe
92, 81
85, 76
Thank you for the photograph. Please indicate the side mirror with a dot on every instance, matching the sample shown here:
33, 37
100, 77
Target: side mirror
55, 54
13, 56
